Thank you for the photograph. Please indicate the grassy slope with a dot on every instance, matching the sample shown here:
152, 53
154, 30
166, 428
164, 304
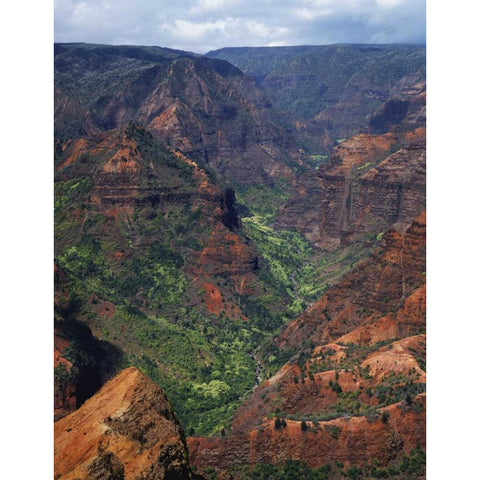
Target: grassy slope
295, 270
129, 281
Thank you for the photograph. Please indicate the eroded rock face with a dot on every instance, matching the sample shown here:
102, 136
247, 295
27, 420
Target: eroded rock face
206, 108
378, 286
123, 182
127, 430
369, 185
354, 440
405, 110
82, 363
363, 340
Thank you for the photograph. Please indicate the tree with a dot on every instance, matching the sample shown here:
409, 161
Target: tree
385, 416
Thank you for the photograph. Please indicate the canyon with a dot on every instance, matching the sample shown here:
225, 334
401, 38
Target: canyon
243, 234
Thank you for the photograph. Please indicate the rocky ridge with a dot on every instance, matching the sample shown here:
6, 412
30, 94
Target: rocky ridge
331, 90
204, 107
127, 430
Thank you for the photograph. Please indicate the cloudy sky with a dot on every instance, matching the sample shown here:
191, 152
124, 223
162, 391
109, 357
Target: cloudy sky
202, 25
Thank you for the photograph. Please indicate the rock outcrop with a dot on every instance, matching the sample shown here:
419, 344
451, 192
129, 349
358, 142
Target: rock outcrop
127, 430
379, 286
82, 363
370, 184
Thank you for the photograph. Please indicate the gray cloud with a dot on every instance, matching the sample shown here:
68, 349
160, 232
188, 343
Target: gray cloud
202, 25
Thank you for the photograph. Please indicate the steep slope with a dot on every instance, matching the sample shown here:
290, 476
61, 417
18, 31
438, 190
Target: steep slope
258, 62
82, 363
404, 110
374, 288
330, 90
353, 389
190, 229
127, 430
154, 261
205, 107
370, 184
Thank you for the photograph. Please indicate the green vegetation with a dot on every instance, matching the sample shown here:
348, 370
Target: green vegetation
354, 355
364, 166
285, 253
291, 470
397, 387
257, 62
261, 199
317, 160
332, 67
137, 263
409, 466
292, 267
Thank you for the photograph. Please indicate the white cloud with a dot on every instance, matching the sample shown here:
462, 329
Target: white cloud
389, 3
311, 14
208, 6
200, 25
260, 30
184, 29
280, 43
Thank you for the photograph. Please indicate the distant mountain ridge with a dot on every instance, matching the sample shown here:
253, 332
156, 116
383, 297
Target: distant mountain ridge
207, 108
331, 90
258, 62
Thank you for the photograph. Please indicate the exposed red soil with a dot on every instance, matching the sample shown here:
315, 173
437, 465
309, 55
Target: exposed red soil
380, 300
127, 427
359, 440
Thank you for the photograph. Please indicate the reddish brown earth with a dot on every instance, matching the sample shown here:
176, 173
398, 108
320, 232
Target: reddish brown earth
65, 401
114, 164
364, 335
370, 184
127, 430
378, 286
207, 109
359, 440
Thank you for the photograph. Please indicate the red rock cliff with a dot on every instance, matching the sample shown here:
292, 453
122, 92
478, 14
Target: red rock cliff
127, 430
